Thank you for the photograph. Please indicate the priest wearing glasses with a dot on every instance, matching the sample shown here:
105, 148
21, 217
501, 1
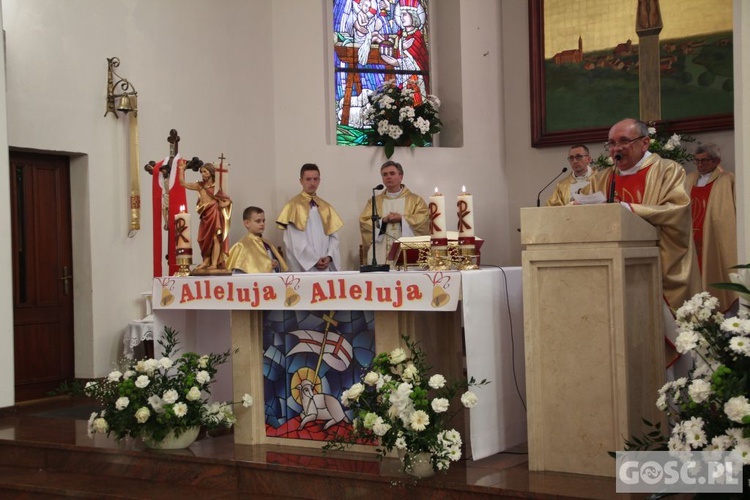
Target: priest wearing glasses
580, 162
653, 188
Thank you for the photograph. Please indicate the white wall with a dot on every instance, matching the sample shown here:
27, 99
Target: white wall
7, 394
191, 75
742, 123
249, 79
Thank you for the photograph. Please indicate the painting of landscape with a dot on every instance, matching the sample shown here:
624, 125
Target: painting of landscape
583, 90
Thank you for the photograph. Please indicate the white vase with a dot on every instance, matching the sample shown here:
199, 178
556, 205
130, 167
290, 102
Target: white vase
172, 442
420, 465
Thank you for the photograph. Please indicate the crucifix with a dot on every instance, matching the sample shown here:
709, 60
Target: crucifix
168, 197
648, 25
165, 169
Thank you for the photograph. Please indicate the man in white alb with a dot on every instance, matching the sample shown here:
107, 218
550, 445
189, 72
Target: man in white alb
310, 226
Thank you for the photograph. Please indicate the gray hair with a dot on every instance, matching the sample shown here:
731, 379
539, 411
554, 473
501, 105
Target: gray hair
711, 149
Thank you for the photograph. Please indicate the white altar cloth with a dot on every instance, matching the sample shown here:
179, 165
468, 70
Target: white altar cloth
492, 311
492, 306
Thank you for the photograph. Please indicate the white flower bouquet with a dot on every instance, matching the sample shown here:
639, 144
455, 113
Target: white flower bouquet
708, 410
153, 397
399, 117
398, 405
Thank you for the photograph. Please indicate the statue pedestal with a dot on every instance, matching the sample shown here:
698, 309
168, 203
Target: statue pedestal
593, 333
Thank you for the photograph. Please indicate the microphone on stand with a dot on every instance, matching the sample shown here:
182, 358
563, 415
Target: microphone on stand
611, 196
538, 203
375, 219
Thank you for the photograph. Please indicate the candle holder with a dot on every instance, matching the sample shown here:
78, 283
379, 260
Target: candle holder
184, 257
467, 253
439, 258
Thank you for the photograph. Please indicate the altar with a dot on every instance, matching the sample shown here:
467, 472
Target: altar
215, 313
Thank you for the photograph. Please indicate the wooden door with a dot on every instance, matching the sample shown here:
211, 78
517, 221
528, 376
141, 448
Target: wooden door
42, 273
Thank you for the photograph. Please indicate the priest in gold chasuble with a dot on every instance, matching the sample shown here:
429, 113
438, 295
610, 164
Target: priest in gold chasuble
654, 189
712, 197
402, 213
580, 162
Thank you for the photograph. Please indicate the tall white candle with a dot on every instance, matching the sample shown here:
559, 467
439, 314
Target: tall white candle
465, 206
438, 229
182, 229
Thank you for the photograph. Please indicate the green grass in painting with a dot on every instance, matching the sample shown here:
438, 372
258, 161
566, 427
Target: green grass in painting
698, 83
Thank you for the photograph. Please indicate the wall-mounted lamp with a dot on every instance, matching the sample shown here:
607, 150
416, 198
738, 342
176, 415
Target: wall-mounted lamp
127, 99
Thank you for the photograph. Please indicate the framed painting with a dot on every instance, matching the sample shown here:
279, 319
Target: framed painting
584, 67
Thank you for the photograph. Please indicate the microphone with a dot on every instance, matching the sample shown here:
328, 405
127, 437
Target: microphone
538, 203
611, 197
375, 220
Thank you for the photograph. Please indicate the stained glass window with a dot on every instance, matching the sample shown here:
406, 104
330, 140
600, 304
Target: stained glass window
374, 41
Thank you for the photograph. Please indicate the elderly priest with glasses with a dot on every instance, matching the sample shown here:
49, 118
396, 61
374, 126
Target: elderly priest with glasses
580, 162
654, 189
712, 199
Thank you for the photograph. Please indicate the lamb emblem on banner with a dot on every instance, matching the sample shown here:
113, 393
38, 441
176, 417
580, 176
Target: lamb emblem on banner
336, 352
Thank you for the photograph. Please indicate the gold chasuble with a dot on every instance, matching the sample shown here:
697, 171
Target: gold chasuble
715, 230
297, 211
415, 213
250, 255
657, 194
562, 194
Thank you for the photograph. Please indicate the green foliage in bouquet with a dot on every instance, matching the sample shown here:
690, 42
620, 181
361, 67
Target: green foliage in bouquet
152, 397
396, 118
397, 404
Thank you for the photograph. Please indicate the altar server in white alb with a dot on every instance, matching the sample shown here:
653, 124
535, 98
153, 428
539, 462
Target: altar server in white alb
402, 213
310, 226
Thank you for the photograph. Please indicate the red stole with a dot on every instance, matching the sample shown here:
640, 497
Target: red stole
177, 198
630, 188
699, 203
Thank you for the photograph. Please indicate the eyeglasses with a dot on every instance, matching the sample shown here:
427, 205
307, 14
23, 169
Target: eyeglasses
703, 161
622, 142
573, 158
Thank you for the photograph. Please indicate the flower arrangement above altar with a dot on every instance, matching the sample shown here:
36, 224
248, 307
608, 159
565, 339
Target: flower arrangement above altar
400, 117
157, 398
397, 404
668, 146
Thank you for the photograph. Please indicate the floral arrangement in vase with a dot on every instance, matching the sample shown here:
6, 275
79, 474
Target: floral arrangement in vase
667, 146
400, 117
153, 398
397, 404
708, 410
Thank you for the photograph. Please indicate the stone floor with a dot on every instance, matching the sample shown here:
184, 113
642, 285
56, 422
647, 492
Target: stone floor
46, 453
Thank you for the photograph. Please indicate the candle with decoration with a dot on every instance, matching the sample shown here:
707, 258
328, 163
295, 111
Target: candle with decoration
438, 229
182, 229
465, 218
184, 248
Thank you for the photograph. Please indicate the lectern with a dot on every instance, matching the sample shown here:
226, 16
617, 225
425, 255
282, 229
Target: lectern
593, 333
